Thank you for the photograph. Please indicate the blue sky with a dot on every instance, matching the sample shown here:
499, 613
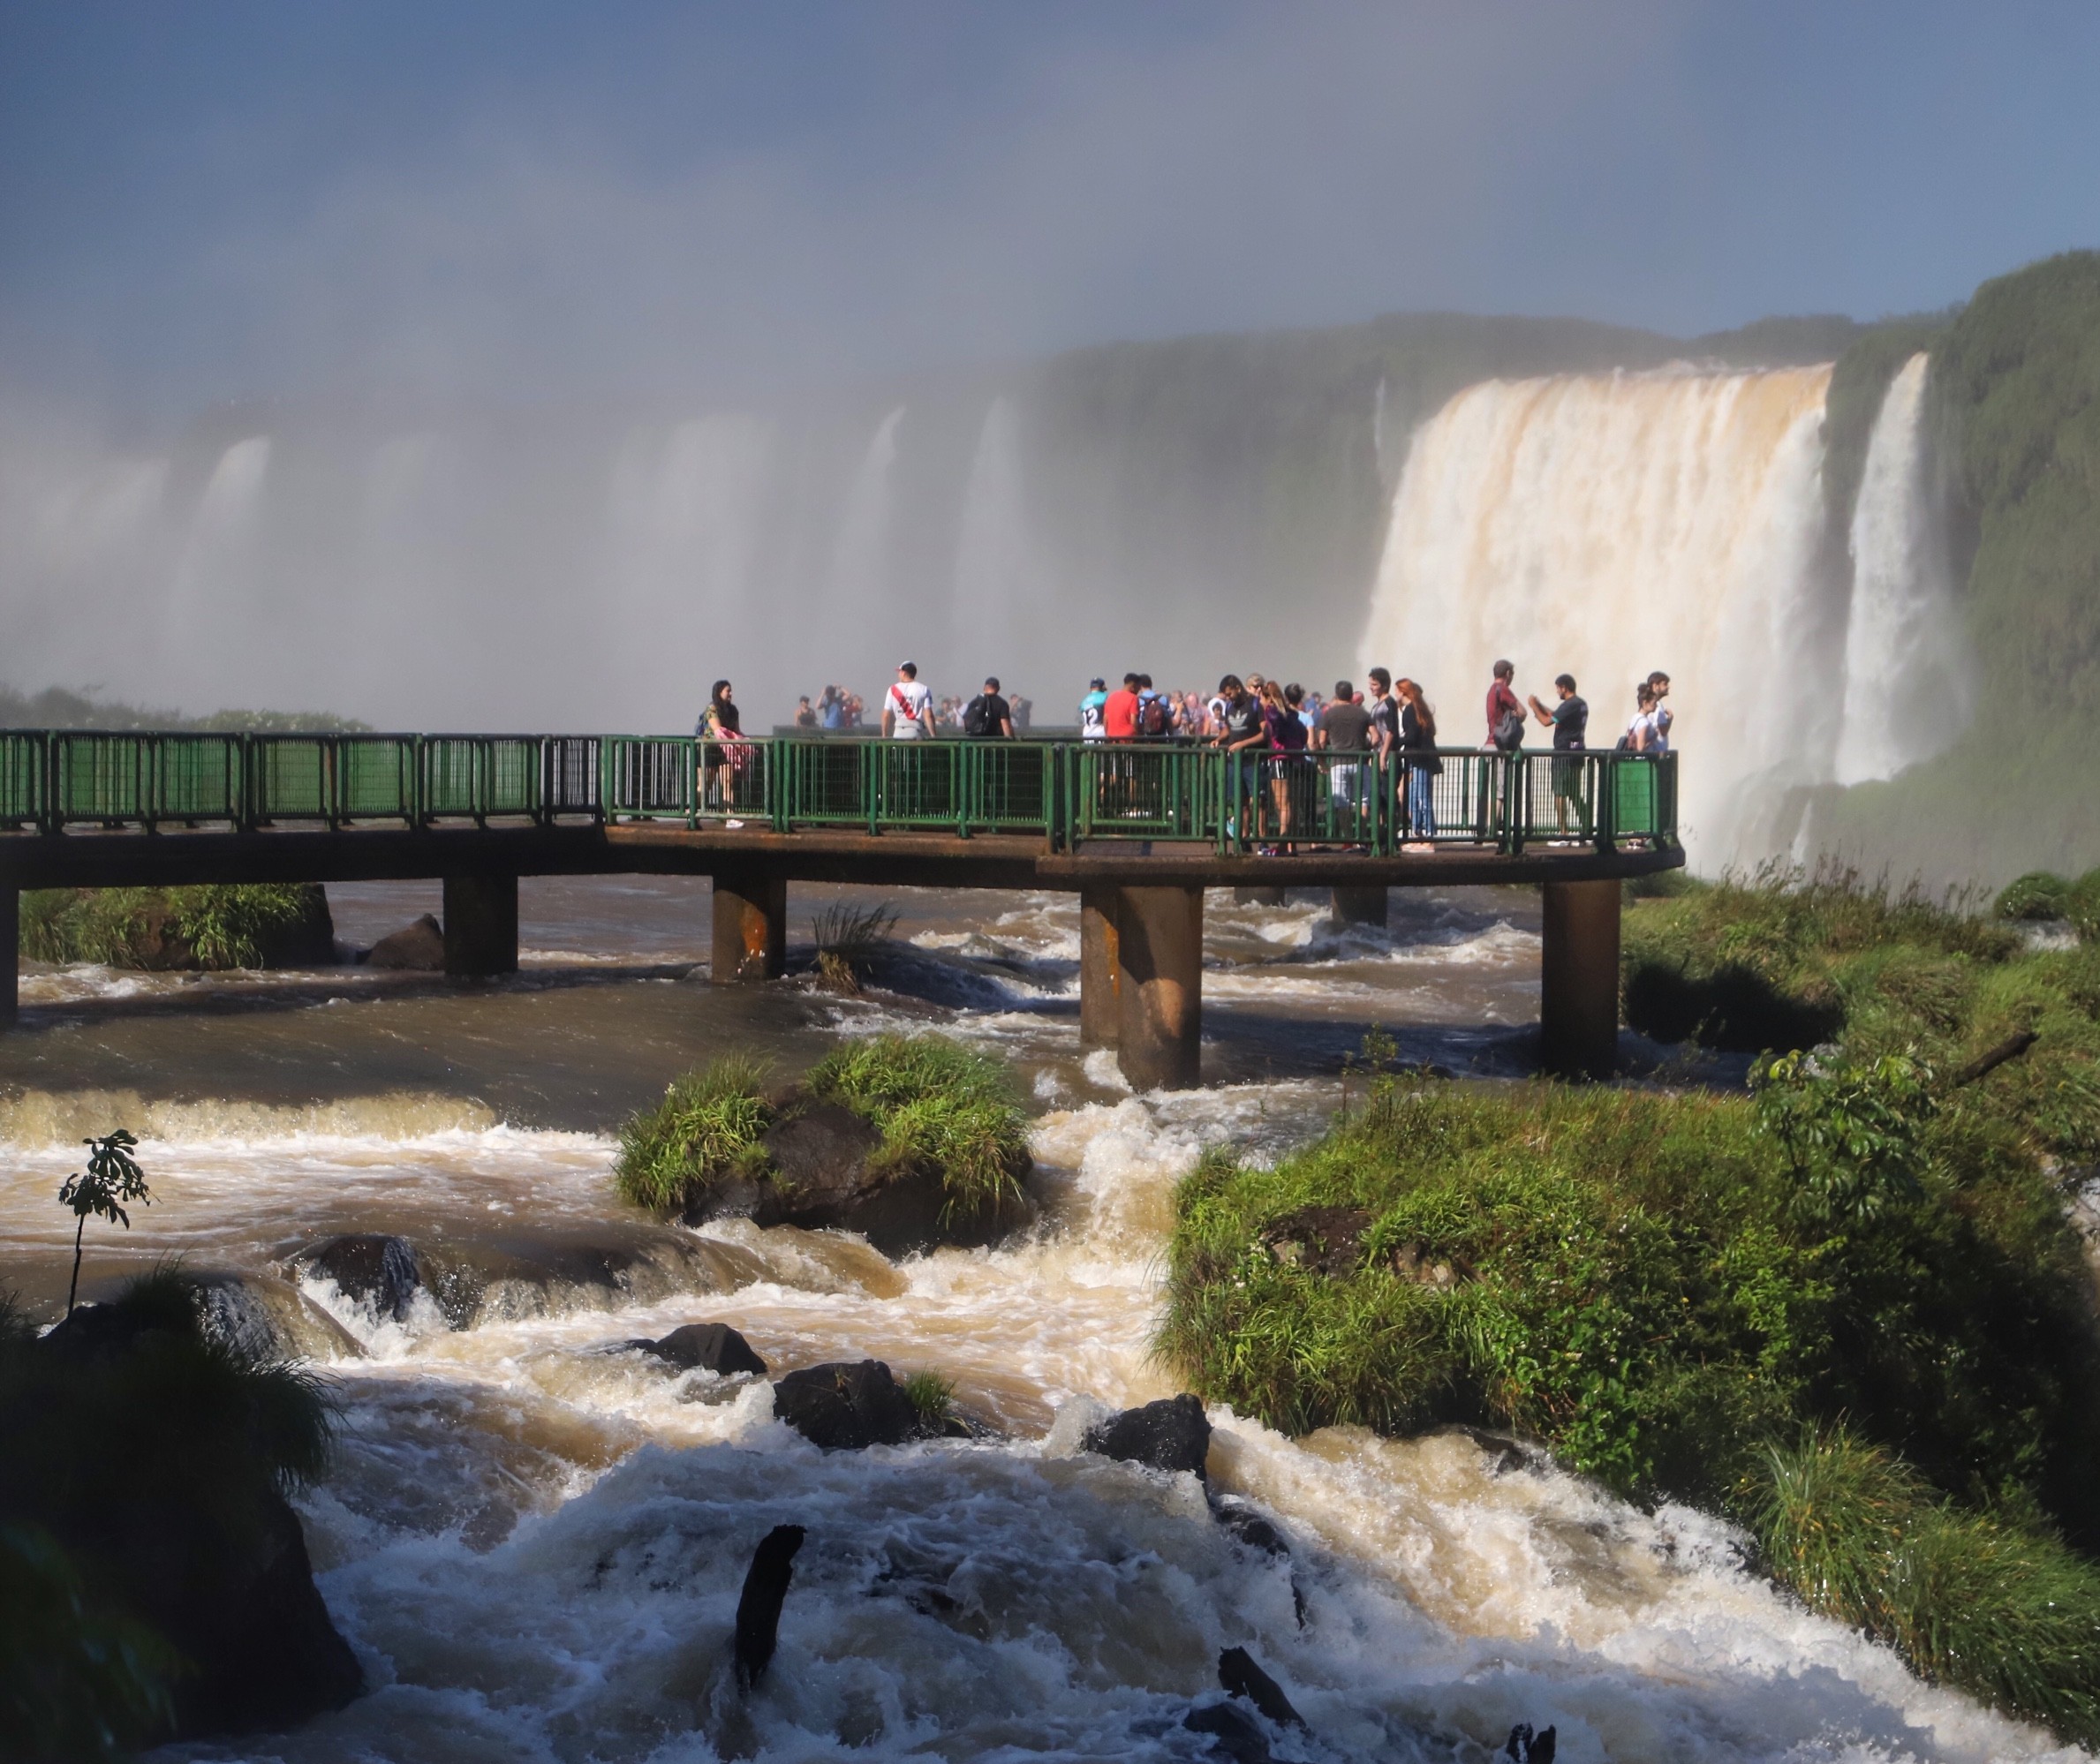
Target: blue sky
202, 203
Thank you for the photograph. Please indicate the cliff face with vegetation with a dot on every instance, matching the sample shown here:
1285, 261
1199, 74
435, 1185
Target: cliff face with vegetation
2015, 410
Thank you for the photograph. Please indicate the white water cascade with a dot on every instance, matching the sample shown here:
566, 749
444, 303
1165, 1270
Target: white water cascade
1907, 694
1607, 525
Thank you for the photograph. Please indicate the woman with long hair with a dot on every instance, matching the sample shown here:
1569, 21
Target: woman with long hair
726, 752
1418, 750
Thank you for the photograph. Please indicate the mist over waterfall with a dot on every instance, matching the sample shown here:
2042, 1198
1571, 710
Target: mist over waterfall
1608, 525
1906, 691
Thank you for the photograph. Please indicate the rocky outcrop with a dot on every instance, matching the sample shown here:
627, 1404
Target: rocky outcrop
417, 947
827, 1174
373, 1270
845, 1408
711, 1347
154, 1465
1173, 1434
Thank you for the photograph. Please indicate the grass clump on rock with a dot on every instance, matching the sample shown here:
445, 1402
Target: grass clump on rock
940, 1105
877, 1119
708, 1129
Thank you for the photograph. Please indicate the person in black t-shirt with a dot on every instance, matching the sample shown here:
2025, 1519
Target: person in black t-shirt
1569, 721
988, 717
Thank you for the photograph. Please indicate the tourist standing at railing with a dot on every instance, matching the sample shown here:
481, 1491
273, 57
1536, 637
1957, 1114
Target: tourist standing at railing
1569, 721
805, 712
1659, 684
1241, 734
1505, 714
1385, 713
1119, 712
1285, 736
1092, 719
1346, 728
988, 717
908, 706
1641, 736
725, 753
1418, 752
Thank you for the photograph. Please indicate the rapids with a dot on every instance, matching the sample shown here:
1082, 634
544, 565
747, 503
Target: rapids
535, 1536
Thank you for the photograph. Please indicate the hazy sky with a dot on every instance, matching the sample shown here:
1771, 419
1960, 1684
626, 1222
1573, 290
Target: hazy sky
512, 199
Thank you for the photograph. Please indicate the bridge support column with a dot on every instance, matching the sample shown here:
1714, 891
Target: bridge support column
1100, 995
1360, 907
1578, 1005
1261, 897
1160, 962
750, 928
11, 954
480, 924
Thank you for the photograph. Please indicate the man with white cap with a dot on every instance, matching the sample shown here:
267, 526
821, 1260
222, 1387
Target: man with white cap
908, 706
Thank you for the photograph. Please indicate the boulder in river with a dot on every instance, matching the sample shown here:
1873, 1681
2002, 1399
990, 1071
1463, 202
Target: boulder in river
712, 1346
1173, 1434
370, 1269
417, 947
759, 1607
842, 1407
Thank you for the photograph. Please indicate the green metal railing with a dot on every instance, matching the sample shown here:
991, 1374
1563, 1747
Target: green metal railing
1063, 793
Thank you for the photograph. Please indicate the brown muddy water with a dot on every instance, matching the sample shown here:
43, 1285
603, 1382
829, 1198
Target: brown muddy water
534, 1538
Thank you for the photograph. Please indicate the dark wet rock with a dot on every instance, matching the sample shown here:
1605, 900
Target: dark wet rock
1234, 1733
1527, 1747
259, 1318
822, 1154
417, 947
305, 941
712, 1347
843, 1406
370, 1269
1248, 1525
1239, 1677
513, 1277
1321, 1239
1173, 1434
759, 1607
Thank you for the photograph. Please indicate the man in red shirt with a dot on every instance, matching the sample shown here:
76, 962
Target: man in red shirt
1505, 714
1119, 715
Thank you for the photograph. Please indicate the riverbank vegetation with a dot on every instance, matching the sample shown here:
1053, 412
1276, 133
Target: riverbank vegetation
1848, 1308
56, 707
211, 926
936, 1109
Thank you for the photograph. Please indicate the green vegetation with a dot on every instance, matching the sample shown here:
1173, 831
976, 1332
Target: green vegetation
1848, 1307
848, 937
2014, 398
940, 1106
943, 1109
1975, 1599
111, 1179
216, 924
707, 1130
933, 1397
2041, 895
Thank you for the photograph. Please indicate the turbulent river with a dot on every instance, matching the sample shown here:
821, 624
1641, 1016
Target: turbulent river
534, 1539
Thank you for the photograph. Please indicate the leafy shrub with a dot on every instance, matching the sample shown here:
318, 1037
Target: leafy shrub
940, 1107
2081, 906
707, 1130
2037, 895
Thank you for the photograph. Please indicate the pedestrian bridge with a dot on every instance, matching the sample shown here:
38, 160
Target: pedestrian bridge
1138, 830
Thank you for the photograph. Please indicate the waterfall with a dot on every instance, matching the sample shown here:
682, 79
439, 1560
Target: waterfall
993, 553
208, 596
1905, 691
1607, 525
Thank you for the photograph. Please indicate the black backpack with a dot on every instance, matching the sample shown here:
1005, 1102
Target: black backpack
977, 717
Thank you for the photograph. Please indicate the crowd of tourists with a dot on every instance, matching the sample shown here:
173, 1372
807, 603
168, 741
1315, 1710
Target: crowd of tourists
1385, 738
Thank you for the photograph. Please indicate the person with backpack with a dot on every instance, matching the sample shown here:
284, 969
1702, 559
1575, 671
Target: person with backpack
988, 717
1155, 718
1505, 712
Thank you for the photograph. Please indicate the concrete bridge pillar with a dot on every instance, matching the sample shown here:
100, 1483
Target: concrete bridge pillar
1158, 937
1578, 1003
750, 928
11, 954
1100, 994
1360, 907
480, 924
